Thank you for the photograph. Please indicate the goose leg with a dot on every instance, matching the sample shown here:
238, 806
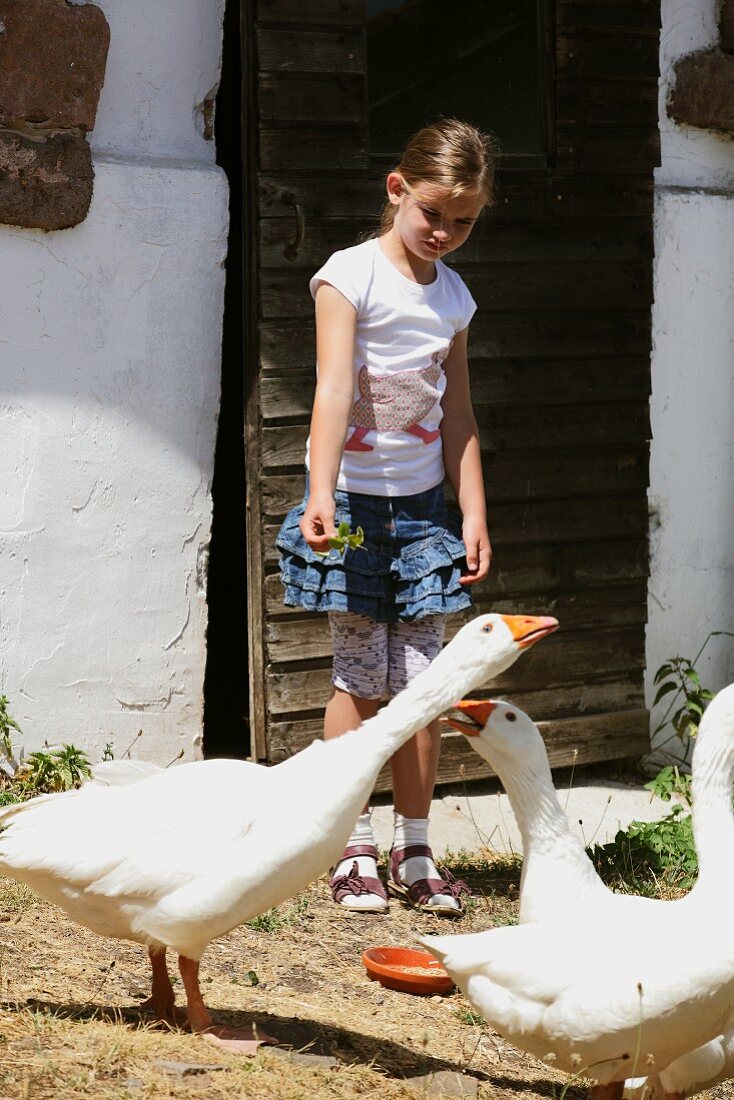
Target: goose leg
612, 1091
243, 1040
162, 1000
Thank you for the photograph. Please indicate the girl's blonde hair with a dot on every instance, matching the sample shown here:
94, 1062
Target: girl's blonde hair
450, 155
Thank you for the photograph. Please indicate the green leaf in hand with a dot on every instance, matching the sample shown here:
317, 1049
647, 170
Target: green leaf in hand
343, 540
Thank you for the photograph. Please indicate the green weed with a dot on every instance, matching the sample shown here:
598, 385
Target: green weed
42, 772
273, 920
670, 781
678, 679
659, 856
650, 857
54, 770
7, 724
466, 1016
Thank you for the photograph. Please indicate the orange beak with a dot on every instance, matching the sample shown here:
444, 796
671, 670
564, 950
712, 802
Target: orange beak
477, 711
528, 629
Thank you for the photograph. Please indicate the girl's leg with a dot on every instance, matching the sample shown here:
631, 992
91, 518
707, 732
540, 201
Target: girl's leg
359, 677
345, 712
414, 768
412, 647
359, 671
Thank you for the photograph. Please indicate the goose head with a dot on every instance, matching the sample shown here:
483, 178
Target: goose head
484, 648
501, 733
481, 650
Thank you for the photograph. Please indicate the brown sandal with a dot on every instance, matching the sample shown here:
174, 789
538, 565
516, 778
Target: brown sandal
420, 892
355, 885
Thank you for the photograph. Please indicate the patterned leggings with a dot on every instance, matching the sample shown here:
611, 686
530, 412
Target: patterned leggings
374, 659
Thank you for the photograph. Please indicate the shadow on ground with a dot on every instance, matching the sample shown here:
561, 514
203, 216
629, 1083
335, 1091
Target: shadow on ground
350, 1047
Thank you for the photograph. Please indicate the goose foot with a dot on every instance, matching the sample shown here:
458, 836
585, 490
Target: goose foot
241, 1040
162, 1000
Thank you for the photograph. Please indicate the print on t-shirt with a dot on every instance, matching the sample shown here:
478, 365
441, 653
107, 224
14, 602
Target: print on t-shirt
395, 402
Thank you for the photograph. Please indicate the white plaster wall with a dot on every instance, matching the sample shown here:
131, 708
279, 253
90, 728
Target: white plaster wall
691, 589
110, 339
164, 62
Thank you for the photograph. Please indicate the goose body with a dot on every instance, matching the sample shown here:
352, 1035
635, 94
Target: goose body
606, 985
702, 1068
180, 856
572, 996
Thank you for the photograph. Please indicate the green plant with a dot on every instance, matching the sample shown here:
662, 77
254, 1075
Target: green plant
660, 856
279, 917
6, 725
343, 540
55, 770
471, 1019
671, 781
650, 857
677, 677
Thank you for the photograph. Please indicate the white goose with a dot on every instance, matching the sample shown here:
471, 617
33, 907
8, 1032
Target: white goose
186, 854
614, 985
557, 875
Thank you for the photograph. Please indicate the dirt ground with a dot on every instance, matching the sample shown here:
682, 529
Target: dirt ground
69, 1024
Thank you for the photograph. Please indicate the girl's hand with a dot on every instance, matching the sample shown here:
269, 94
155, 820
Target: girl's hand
317, 523
478, 550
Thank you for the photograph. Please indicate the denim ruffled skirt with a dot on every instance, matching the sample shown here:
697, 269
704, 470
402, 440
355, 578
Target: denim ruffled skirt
408, 565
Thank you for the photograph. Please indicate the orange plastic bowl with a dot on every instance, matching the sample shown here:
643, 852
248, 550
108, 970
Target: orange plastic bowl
407, 970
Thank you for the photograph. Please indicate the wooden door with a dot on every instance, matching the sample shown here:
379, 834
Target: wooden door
559, 348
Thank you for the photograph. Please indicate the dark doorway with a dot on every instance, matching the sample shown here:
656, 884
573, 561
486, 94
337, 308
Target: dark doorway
487, 67
561, 271
226, 703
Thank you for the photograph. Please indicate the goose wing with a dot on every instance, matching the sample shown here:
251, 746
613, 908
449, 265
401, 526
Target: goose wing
145, 838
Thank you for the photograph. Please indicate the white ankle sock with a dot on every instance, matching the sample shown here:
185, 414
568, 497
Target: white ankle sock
414, 830
361, 834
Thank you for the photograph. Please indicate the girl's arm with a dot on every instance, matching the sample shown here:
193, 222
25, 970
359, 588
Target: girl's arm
463, 462
336, 325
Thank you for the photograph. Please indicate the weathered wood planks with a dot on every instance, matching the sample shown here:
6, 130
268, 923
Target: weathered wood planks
609, 735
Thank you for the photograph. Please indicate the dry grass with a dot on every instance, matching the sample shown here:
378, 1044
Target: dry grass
69, 1024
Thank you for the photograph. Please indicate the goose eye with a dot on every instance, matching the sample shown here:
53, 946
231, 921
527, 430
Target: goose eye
511, 717
488, 628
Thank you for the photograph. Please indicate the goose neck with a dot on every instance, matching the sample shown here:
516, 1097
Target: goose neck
713, 820
541, 820
426, 697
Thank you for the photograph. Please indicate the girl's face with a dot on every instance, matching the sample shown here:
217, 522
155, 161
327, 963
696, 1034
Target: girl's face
430, 223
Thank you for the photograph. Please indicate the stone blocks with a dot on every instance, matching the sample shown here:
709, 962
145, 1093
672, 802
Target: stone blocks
704, 91
52, 65
704, 82
44, 184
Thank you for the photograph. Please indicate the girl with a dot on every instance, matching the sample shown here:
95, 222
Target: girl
392, 414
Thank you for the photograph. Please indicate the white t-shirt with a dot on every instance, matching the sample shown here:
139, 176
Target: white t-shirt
404, 333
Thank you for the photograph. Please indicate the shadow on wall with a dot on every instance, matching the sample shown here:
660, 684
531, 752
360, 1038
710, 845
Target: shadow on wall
226, 684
